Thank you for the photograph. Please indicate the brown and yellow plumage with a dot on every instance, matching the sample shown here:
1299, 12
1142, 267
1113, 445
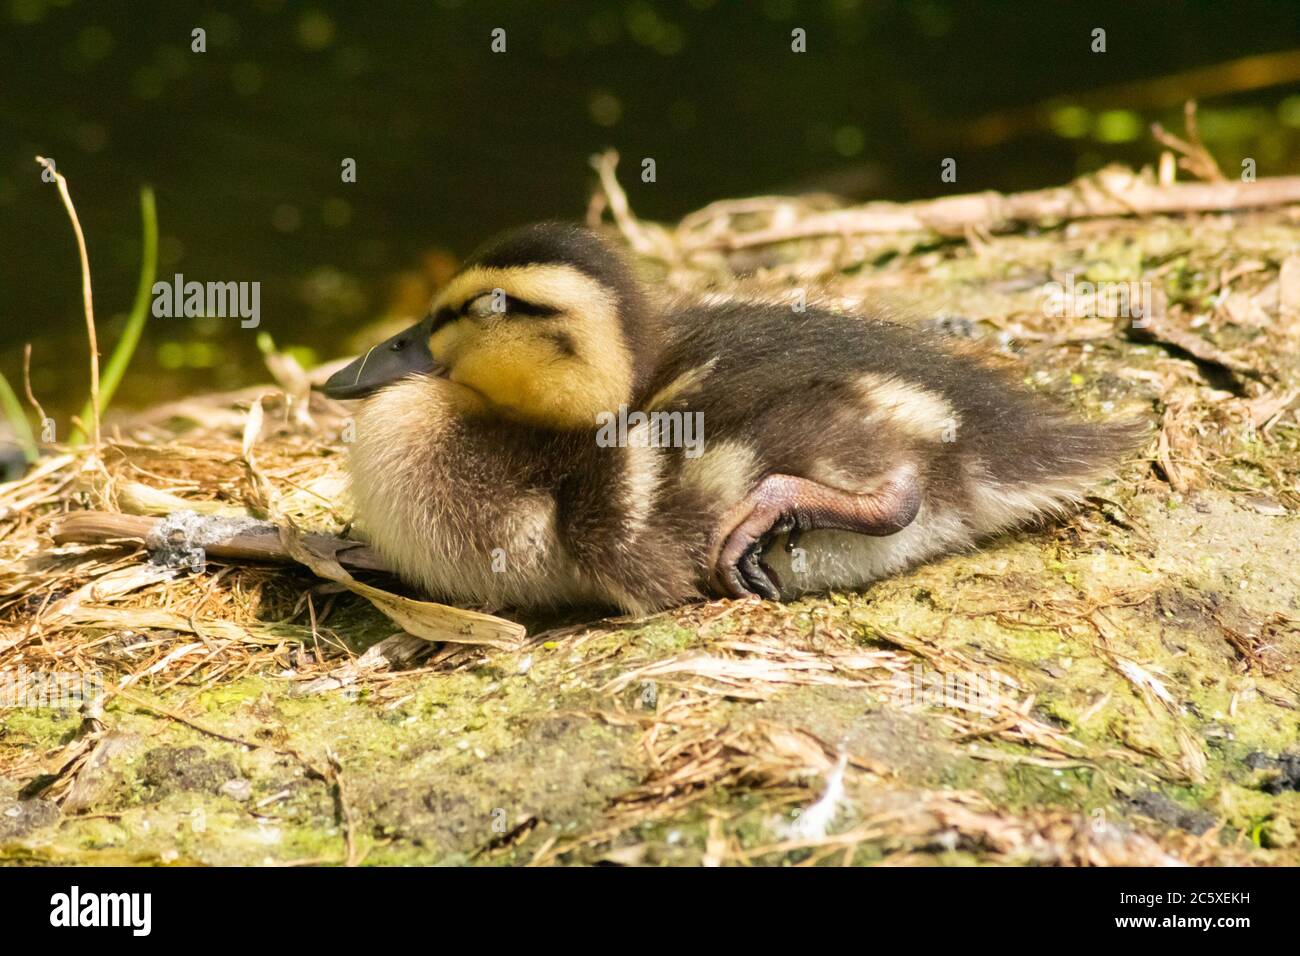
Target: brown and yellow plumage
865, 445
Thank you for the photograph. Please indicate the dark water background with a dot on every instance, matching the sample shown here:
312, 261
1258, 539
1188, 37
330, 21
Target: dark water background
243, 143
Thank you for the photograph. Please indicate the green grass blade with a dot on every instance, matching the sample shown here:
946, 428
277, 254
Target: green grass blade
17, 418
126, 345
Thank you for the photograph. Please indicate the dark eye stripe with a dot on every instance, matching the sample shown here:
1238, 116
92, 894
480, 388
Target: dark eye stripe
441, 318
523, 307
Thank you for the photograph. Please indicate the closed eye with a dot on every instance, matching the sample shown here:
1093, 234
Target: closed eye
496, 302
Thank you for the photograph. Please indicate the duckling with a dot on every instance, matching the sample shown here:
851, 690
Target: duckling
528, 443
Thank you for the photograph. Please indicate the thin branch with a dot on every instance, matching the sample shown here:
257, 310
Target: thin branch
87, 299
27, 383
1108, 193
1194, 157
647, 239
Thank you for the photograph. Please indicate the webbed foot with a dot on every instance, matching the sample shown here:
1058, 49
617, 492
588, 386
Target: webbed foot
785, 504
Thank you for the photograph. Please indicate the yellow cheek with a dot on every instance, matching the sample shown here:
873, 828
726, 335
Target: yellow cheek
444, 343
523, 376
511, 371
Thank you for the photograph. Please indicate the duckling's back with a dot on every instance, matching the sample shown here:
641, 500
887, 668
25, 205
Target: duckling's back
842, 400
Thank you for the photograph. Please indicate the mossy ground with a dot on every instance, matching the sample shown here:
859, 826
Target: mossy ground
1137, 661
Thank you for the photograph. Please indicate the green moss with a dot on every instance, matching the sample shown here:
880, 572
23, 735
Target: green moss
37, 727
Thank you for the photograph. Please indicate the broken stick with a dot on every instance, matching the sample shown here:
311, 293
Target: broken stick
257, 544
243, 539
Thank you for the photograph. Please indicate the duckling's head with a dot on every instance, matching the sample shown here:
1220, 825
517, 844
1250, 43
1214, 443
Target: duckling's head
545, 325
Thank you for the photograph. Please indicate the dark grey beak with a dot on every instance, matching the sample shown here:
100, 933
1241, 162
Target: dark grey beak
406, 353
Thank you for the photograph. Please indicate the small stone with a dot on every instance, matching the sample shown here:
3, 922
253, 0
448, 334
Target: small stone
237, 789
1264, 505
1278, 834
